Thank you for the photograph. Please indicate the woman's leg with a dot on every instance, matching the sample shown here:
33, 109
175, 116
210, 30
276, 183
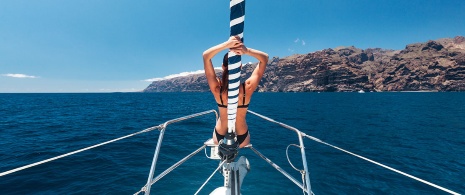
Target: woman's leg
243, 139
217, 136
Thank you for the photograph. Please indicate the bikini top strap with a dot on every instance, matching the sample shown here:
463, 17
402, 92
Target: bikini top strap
243, 97
221, 91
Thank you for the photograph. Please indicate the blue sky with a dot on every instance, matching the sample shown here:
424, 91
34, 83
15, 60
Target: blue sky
119, 46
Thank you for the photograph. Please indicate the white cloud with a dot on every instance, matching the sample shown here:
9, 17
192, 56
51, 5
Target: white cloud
298, 40
185, 74
182, 74
153, 79
19, 76
295, 46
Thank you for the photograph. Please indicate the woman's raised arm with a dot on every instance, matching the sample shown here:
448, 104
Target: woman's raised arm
210, 53
258, 72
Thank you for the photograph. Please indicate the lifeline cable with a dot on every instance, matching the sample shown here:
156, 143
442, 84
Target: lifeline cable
356, 155
236, 24
382, 165
77, 151
219, 166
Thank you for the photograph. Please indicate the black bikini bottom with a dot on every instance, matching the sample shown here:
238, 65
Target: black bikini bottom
240, 138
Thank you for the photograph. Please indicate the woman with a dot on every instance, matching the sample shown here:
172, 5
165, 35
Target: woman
219, 87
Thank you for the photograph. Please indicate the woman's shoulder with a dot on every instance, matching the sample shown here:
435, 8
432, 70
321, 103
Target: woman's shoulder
249, 86
217, 87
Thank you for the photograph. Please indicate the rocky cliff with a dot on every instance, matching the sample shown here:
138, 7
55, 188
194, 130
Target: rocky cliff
432, 66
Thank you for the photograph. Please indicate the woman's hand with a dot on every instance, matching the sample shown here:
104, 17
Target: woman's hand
240, 50
233, 42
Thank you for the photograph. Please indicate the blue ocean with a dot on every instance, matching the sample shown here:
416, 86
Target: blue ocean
422, 134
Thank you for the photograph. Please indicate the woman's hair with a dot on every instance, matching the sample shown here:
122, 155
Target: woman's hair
224, 78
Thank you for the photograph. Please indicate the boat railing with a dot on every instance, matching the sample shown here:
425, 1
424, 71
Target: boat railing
146, 188
305, 185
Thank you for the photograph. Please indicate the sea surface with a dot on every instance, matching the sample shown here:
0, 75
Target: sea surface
422, 134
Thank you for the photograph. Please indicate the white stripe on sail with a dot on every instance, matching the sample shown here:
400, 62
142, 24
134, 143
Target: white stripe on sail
241, 35
234, 110
234, 76
231, 119
233, 105
234, 66
233, 85
233, 92
236, 21
234, 2
231, 54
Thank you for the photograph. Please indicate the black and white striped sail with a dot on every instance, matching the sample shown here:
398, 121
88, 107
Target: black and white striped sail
237, 14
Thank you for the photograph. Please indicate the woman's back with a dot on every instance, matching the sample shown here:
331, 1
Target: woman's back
243, 103
219, 87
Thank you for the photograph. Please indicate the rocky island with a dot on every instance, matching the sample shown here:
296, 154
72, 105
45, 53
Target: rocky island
431, 66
